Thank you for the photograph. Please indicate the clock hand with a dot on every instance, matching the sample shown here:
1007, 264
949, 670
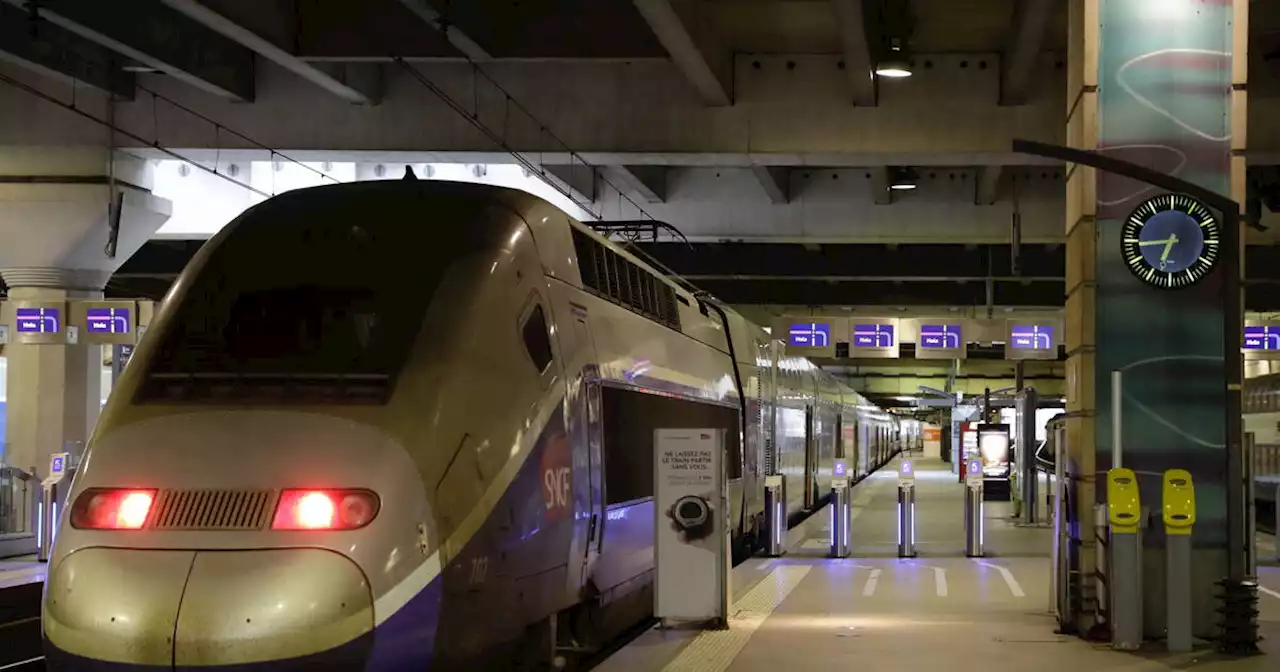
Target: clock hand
1168, 247
1162, 241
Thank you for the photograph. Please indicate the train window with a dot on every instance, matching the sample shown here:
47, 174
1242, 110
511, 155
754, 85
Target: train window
316, 297
630, 418
536, 340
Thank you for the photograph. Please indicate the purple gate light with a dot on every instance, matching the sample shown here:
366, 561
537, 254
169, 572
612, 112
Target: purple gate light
810, 335
873, 335
108, 320
1031, 337
1262, 338
38, 321
940, 336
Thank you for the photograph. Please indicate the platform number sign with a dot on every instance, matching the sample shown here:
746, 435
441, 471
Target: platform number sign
1171, 241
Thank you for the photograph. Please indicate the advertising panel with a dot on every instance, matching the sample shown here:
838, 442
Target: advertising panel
691, 510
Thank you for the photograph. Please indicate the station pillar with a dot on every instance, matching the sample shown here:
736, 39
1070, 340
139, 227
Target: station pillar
55, 226
1152, 82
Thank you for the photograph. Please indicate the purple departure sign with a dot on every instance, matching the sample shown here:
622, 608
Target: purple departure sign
38, 321
1031, 337
810, 335
108, 320
940, 336
1262, 338
873, 336
841, 469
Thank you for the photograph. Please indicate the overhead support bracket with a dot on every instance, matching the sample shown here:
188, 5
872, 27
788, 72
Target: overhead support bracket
858, 60
579, 180
881, 194
708, 69
647, 183
987, 184
460, 40
775, 181
55, 52
337, 79
1018, 62
161, 38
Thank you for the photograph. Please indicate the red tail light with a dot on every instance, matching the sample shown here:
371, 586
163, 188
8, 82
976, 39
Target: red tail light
112, 509
324, 510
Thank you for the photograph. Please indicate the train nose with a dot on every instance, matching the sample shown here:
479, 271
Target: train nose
274, 609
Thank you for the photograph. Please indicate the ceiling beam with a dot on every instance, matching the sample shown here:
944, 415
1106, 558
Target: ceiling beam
161, 38
353, 90
648, 183
858, 59
54, 52
987, 184
707, 69
460, 40
775, 181
579, 180
1018, 62
880, 185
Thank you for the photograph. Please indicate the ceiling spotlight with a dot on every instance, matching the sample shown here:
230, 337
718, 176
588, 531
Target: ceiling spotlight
904, 179
896, 65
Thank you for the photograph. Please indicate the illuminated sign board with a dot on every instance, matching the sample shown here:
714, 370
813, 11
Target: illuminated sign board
809, 335
1262, 338
38, 320
1031, 337
107, 320
940, 336
873, 336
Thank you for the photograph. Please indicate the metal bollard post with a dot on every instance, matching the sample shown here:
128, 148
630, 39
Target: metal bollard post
1179, 518
1124, 510
973, 510
1250, 506
906, 510
48, 520
775, 507
841, 515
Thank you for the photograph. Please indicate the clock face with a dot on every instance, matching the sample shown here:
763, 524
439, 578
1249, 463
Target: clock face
1170, 241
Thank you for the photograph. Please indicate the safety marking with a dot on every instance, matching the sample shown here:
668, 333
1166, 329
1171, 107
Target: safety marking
21, 662
1268, 591
714, 650
1008, 578
870, 588
940, 581
766, 564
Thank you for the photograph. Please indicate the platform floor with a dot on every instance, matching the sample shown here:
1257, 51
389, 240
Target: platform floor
940, 611
21, 570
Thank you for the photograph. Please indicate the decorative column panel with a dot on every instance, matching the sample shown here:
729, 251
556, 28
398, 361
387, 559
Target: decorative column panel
1164, 101
1081, 286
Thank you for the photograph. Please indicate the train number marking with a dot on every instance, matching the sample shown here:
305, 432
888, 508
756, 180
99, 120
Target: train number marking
556, 483
479, 569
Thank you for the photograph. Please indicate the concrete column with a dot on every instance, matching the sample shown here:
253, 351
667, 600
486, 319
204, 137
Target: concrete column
1153, 82
54, 229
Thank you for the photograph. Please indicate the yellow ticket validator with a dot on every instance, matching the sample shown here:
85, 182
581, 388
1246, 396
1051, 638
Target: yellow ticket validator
1124, 506
1179, 497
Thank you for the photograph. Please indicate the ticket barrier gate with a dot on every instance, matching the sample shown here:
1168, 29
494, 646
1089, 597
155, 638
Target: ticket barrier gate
841, 510
906, 509
775, 507
973, 509
50, 498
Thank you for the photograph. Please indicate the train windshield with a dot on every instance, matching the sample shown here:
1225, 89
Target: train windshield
310, 300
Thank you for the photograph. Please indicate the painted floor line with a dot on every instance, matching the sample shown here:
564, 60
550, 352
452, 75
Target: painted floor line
870, 588
766, 564
940, 581
1014, 587
714, 650
1270, 592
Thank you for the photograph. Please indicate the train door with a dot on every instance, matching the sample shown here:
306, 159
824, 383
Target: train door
587, 460
810, 456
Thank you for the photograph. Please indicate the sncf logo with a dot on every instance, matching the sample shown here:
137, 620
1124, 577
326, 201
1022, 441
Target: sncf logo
557, 481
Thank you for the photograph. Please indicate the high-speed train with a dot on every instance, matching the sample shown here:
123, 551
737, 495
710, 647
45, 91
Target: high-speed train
408, 425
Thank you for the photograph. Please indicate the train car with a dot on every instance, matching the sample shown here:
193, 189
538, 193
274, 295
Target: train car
408, 425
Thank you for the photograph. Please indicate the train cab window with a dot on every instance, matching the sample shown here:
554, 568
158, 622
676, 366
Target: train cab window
317, 296
536, 340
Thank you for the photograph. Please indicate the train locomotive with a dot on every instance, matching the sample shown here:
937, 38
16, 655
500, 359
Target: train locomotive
408, 425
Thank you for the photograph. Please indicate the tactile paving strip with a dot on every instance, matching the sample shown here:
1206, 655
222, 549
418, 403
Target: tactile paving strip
714, 650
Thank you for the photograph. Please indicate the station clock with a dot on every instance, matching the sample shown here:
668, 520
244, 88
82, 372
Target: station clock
1171, 241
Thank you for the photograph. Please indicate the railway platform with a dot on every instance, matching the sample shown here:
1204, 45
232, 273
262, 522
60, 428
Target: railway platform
940, 610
